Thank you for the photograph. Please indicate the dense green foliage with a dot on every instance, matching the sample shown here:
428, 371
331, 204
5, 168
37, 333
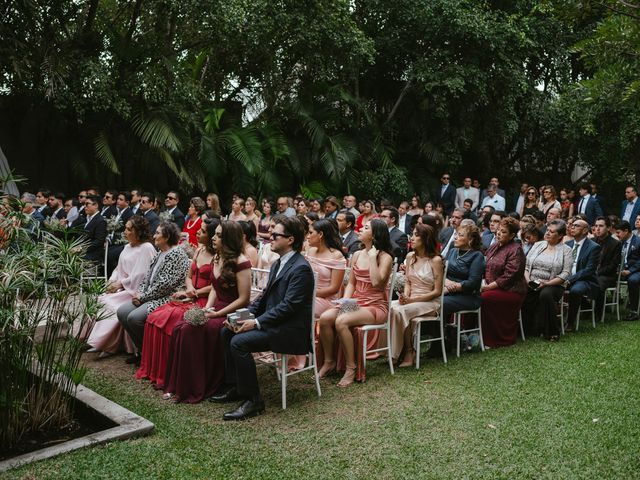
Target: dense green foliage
263, 96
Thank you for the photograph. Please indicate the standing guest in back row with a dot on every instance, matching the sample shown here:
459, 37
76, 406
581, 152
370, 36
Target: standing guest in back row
404, 219
630, 208
467, 192
349, 202
485, 192
588, 206
171, 203
446, 194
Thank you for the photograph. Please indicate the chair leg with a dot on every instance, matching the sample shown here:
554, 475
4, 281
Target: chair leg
521, 327
480, 330
604, 306
442, 342
618, 303
456, 319
283, 381
364, 350
561, 317
593, 313
416, 344
315, 373
390, 360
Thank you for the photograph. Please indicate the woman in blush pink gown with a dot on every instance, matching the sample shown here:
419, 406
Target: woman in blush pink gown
161, 322
327, 261
421, 296
195, 366
368, 282
108, 335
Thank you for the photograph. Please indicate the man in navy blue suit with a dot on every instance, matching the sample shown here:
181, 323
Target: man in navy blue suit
630, 265
583, 280
446, 194
282, 323
630, 207
588, 205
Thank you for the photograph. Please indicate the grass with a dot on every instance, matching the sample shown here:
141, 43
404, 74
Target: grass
535, 410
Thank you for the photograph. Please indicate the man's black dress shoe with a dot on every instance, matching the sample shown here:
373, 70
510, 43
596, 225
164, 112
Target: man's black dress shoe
248, 409
230, 395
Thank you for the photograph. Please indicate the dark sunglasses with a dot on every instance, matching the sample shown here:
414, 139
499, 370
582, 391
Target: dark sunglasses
171, 198
276, 235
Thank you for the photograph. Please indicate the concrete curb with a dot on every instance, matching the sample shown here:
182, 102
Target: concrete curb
129, 425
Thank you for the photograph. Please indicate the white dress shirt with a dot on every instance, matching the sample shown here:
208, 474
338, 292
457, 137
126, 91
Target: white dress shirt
496, 202
629, 210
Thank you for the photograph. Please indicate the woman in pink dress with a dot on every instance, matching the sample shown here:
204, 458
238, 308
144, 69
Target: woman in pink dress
371, 268
194, 221
108, 335
162, 321
195, 366
327, 261
421, 296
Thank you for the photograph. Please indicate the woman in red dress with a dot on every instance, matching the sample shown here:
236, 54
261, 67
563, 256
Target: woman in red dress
194, 221
161, 322
505, 287
195, 367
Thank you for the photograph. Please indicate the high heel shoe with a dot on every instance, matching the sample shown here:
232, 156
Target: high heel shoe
348, 377
327, 369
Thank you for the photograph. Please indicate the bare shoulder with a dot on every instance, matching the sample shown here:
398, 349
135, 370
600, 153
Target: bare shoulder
337, 255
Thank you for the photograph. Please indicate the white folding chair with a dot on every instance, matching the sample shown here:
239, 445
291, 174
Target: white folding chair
386, 326
417, 341
591, 309
520, 323
94, 272
279, 360
311, 357
259, 279
457, 320
615, 297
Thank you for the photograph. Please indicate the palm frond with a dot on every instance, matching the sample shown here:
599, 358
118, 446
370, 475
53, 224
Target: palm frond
244, 146
104, 153
156, 132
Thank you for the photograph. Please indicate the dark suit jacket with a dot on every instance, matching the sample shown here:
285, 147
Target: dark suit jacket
592, 210
112, 211
178, 218
632, 260
153, 219
351, 243
284, 308
399, 242
447, 200
407, 224
445, 235
487, 238
609, 257
634, 213
59, 214
127, 213
96, 233
587, 264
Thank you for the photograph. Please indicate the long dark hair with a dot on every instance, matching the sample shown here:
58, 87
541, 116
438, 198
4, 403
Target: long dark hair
232, 248
329, 231
428, 237
249, 231
380, 235
210, 226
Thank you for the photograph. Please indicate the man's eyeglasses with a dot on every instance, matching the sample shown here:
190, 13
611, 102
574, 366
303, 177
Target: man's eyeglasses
445, 178
88, 204
274, 235
171, 198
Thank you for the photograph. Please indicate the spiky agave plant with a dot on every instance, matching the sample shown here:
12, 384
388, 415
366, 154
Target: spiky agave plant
44, 311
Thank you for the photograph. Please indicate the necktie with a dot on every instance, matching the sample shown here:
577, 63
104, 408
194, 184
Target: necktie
625, 248
580, 206
574, 252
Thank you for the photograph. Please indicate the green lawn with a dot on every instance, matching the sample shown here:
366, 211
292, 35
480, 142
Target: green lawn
536, 410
